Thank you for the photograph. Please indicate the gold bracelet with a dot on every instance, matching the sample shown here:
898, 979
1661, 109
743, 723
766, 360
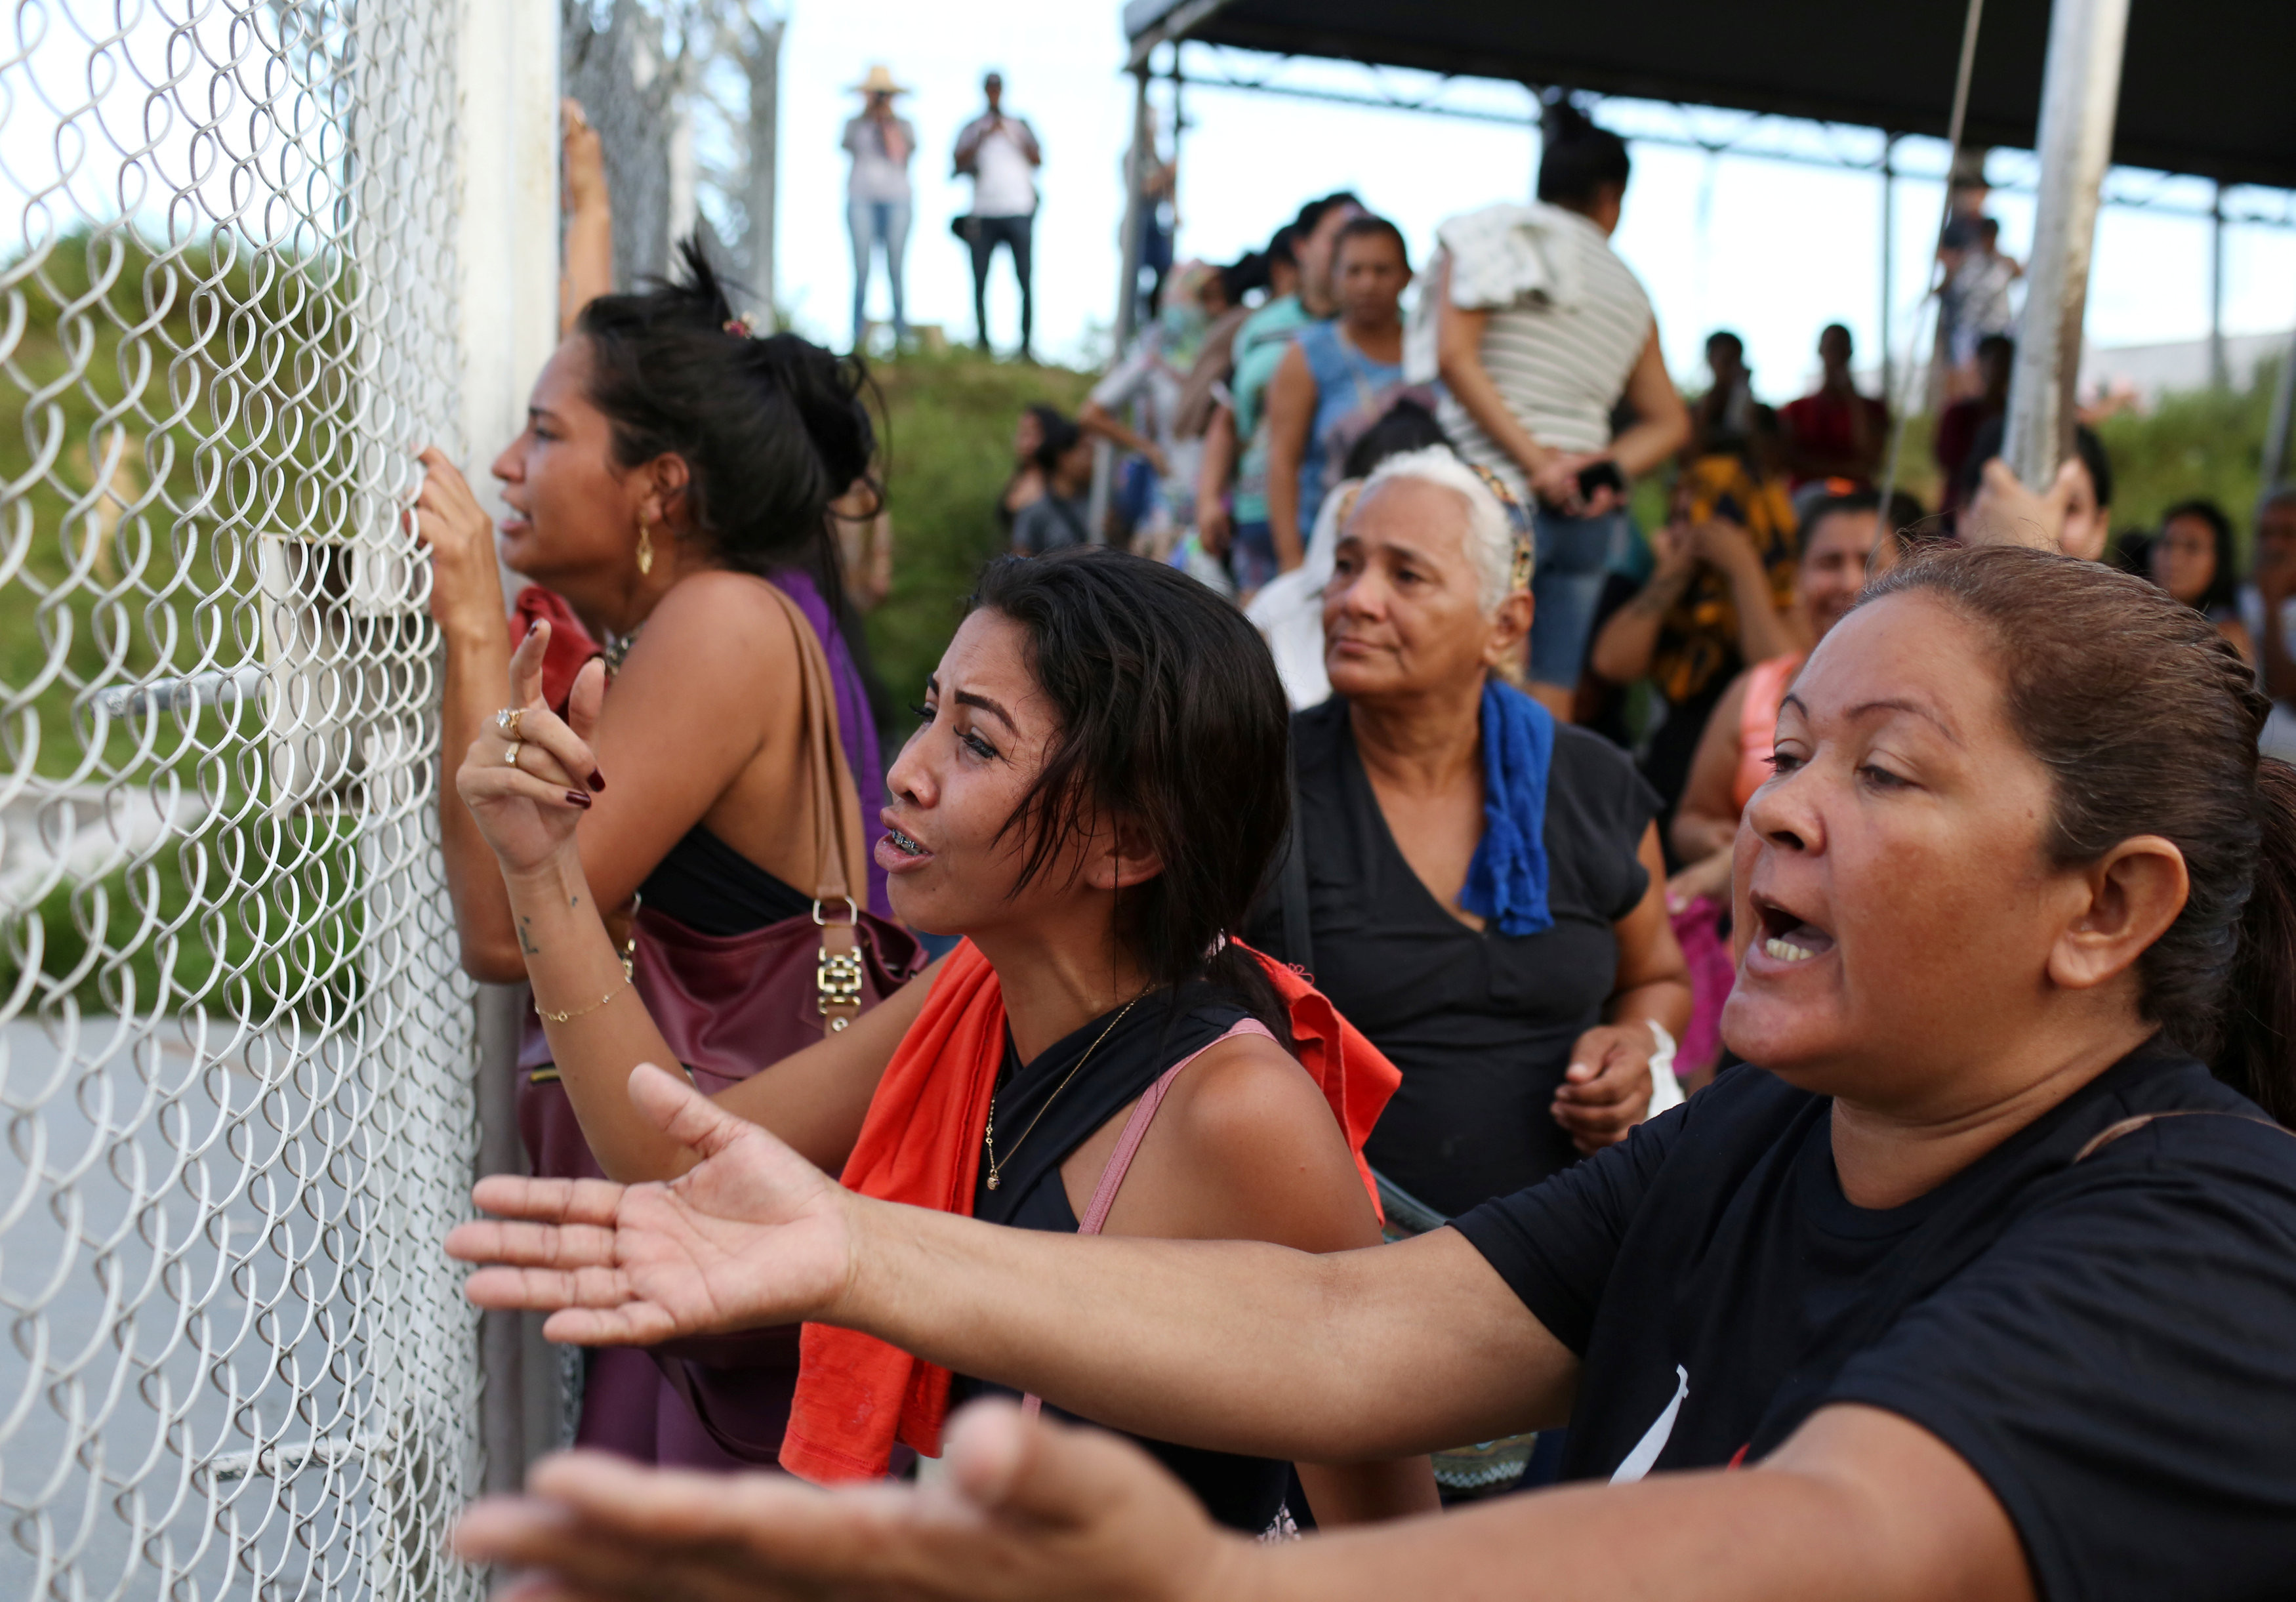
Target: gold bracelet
585, 1011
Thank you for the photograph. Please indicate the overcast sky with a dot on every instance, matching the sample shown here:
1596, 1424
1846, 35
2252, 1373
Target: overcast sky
1772, 249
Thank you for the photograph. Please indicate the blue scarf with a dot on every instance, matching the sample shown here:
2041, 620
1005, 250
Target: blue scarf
1507, 881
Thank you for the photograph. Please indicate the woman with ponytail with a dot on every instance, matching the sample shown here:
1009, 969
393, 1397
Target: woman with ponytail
670, 495
1977, 1279
1097, 1055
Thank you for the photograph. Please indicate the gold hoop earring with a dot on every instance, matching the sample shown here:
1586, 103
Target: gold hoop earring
645, 546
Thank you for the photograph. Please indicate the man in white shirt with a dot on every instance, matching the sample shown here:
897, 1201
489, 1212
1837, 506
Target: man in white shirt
1000, 155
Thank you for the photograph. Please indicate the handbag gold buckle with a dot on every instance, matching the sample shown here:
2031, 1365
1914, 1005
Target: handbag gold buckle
837, 978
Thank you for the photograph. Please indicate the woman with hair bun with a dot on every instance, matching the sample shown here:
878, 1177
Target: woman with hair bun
672, 485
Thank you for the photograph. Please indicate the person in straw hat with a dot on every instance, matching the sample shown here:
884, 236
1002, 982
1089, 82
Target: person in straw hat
877, 193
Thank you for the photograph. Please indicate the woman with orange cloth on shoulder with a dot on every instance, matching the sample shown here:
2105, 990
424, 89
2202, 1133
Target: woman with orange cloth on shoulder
669, 495
1098, 1057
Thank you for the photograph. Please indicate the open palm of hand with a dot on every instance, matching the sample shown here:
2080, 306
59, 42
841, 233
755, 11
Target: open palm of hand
752, 1235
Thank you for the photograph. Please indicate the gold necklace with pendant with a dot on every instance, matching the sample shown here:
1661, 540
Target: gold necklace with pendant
988, 1135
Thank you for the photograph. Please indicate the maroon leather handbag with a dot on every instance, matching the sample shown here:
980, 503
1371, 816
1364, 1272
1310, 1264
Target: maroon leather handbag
729, 1006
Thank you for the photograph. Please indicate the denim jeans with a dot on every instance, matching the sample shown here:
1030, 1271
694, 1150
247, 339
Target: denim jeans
1014, 233
1573, 558
874, 223
1251, 555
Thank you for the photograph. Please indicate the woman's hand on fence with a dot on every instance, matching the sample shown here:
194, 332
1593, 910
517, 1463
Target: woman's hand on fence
466, 594
528, 794
1028, 1509
751, 1235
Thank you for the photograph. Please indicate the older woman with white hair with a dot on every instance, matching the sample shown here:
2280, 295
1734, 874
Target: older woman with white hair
1477, 886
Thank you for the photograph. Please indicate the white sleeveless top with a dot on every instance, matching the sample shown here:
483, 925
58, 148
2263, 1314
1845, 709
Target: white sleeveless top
1562, 367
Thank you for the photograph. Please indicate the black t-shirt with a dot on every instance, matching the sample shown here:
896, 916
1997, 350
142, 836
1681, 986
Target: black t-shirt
2110, 1343
1481, 1024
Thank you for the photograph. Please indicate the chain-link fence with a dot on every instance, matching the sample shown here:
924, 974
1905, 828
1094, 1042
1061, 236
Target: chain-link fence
235, 1054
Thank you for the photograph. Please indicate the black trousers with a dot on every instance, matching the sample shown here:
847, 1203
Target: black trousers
1013, 233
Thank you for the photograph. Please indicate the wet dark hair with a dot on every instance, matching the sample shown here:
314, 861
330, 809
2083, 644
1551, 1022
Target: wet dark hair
1172, 717
1405, 426
1313, 212
1060, 437
1579, 160
1994, 433
2090, 449
1369, 226
1902, 521
1247, 273
2147, 721
2223, 585
771, 428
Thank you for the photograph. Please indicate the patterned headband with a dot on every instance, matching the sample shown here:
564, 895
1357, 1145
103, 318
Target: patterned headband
1518, 524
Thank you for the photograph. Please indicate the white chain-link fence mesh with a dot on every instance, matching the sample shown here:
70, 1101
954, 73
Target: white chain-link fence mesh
234, 1053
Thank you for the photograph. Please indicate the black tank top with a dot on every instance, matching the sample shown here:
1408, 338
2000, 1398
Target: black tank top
1243, 1493
712, 889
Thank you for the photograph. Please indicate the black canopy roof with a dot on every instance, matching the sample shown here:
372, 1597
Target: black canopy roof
2206, 87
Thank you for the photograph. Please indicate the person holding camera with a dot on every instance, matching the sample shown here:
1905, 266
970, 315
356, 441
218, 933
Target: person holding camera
1000, 154
1541, 330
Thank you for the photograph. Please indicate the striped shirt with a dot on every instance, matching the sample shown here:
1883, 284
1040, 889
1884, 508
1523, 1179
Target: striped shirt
1561, 369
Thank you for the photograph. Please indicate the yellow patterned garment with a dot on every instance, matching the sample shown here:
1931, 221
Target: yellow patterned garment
1698, 642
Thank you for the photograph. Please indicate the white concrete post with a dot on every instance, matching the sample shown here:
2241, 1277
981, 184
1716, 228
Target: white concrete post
508, 239
506, 246
2078, 98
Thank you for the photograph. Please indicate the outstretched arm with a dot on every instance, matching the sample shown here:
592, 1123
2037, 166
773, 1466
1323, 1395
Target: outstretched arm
589, 269
1290, 425
1857, 1503
1235, 1346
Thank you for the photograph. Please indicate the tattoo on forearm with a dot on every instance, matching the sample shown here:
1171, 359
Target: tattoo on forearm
525, 941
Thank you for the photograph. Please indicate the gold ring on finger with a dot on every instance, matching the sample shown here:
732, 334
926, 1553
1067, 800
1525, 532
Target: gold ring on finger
509, 753
509, 719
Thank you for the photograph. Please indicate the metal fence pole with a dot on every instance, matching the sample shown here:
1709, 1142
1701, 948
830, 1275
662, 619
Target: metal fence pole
507, 166
1128, 295
2079, 97
2275, 435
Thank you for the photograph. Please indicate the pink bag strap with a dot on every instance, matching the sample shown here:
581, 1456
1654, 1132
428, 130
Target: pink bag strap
1127, 1147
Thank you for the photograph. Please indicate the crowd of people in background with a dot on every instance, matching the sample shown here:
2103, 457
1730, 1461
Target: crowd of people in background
1459, 718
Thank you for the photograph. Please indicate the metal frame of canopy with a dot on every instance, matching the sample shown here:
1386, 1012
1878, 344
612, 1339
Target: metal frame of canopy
2049, 77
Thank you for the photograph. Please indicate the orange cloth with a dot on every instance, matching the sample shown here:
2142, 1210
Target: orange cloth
921, 1144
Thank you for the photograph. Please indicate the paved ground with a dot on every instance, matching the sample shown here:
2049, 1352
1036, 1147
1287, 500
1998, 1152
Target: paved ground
202, 1292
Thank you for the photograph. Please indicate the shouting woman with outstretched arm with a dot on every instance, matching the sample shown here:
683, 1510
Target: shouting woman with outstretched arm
1979, 1285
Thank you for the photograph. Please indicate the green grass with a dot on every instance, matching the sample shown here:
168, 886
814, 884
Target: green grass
212, 392
2202, 443
948, 423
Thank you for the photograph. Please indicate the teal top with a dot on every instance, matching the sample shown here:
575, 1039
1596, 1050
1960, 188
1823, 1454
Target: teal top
1259, 347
